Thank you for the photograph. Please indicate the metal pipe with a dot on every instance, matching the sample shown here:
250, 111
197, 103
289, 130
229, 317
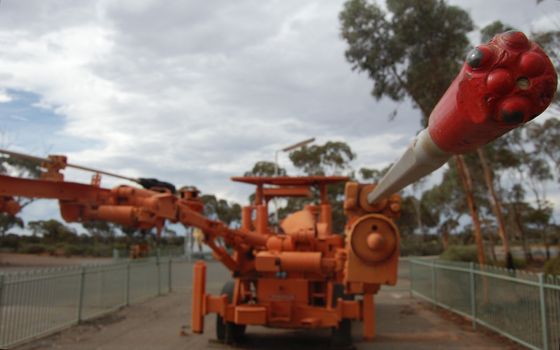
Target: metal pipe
70, 165
465, 118
421, 158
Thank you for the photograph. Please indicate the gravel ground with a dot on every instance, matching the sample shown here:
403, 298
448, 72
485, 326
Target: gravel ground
164, 323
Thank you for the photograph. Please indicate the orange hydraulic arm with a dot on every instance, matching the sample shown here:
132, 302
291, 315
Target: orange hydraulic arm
123, 205
64, 191
128, 206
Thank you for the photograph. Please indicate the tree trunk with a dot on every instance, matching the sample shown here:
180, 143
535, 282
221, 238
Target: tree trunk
419, 218
445, 237
492, 243
463, 172
517, 219
497, 208
544, 229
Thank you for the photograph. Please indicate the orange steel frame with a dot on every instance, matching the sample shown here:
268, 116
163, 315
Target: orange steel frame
288, 276
290, 281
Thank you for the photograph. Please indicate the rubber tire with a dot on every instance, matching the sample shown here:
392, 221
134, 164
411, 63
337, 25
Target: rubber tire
229, 332
341, 337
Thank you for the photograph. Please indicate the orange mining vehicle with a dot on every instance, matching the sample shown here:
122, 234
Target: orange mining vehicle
302, 274
305, 275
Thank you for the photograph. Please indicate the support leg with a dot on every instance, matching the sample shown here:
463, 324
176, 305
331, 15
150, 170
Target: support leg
369, 317
199, 291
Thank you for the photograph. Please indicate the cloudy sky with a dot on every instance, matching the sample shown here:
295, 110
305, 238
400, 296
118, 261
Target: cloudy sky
194, 92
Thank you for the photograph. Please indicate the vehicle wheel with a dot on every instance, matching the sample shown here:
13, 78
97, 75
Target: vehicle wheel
234, 333
220, 328
229, 332
341, 337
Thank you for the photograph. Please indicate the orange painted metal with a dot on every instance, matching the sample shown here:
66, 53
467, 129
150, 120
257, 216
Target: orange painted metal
368, 316
292, 191
250, 314
215, 304
64, 191
198, 297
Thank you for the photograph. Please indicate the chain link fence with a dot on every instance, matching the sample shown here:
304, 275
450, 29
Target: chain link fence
522, 306
43, 301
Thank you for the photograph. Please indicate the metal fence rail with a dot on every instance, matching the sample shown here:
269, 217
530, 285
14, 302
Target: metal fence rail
522, 306
43, 301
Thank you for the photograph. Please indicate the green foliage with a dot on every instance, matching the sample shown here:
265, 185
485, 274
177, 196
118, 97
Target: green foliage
22, 166
492, 29
227, 212
100, 229
8, 222
408, 220
264, 168
466, 253
33, 248
10, 242
330, 158
98, 250
19, 167
548, 136
373, 175
517, 263
550, 42
413, 50
418, 246
53, 231
552, 266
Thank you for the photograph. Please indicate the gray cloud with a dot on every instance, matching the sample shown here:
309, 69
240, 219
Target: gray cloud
195, 92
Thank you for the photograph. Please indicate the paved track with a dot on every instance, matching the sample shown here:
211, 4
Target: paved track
164, 323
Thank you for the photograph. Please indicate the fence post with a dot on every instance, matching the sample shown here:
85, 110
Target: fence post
158, 274
411, 276
127, 283
82, 291
472, 294
170, 275
434, 281
544, 322
2, 278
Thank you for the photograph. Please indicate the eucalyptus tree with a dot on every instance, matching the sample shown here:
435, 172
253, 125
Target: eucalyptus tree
331, 158
413, 52
266, 168
19, 167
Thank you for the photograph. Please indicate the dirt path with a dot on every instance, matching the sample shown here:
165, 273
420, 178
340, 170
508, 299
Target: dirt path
164, 323
11, 262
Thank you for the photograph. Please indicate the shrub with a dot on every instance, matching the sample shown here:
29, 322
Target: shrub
11, 242
33, 248
73, 249
517, 263
417, 246
552, 266
467, 253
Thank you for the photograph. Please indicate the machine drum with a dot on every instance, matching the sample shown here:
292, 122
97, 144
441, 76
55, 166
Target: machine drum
373, 238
